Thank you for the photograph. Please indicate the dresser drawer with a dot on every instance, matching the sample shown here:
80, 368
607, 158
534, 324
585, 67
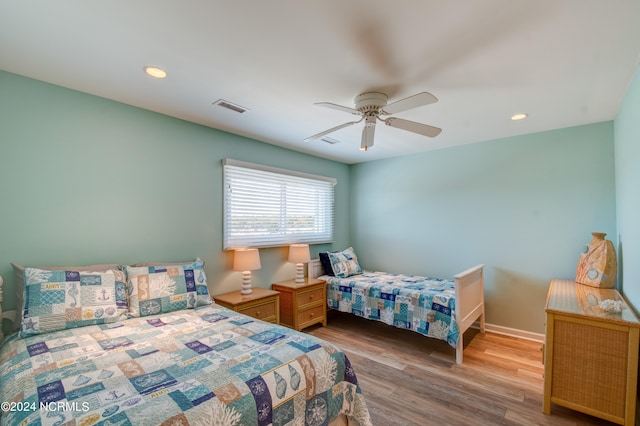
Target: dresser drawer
264, 311
310, 296
311, 316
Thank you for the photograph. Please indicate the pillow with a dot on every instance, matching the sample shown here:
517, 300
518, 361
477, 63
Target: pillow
19, 273
166, 288
326, 263
59, 300
344, 263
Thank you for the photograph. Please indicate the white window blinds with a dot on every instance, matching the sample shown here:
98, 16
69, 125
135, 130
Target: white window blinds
265, 206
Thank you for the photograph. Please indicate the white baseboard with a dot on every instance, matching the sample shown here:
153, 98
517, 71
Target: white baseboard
513, 332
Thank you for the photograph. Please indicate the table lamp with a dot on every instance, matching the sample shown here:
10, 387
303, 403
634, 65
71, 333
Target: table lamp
299, 254
246, 260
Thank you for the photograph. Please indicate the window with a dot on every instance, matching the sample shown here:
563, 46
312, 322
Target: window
265, 206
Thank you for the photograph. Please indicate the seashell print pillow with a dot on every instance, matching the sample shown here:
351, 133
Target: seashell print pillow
166, 288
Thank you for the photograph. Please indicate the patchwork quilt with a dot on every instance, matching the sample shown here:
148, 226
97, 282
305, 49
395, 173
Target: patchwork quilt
425, 305
204, 366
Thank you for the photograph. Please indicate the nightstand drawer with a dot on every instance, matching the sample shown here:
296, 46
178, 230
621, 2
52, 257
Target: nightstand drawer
311, 316
310, 296
264, 311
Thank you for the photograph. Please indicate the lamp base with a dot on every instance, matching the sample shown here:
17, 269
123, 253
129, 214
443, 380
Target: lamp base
299, 273
246, 283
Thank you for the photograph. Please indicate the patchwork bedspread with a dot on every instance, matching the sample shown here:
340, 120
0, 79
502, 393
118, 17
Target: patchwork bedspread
205, 366
425, 305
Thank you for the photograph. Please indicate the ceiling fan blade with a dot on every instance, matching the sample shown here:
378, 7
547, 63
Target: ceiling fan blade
331, 130
412, 126
417, 100
368, 133
338, 107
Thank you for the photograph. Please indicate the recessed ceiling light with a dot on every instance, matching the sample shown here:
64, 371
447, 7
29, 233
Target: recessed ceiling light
516, 117
155, 72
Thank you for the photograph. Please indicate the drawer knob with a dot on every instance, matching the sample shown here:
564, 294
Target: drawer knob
257, 312
311, 297
312, 314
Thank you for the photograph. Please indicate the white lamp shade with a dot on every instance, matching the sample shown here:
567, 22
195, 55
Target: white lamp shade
299, 253
246, 260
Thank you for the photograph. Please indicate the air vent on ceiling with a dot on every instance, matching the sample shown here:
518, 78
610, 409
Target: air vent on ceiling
231, 106
330, 140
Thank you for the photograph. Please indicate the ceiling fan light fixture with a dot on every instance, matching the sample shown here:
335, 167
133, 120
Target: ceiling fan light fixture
155, 72
519, 116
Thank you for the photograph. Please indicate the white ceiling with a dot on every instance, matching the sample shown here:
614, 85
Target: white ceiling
564, 62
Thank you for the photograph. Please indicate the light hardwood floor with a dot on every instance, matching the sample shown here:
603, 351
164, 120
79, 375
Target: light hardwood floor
408, 379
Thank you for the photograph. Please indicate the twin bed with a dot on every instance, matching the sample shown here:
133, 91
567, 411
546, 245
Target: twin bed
433, 307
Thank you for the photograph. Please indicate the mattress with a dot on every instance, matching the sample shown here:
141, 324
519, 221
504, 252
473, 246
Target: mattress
421, 304
201, 366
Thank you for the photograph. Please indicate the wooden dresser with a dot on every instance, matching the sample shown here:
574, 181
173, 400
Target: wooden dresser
590, 356
302, 304
262, 304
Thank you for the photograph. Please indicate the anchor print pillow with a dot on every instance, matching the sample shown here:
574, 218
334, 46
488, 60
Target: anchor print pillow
166, 288
58, 300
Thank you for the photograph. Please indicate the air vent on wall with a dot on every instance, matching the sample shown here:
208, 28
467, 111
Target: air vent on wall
231, 106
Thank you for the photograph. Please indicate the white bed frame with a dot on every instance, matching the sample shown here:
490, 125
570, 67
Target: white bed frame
469, 286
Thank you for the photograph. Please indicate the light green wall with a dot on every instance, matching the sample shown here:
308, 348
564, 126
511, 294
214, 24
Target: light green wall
84, 180
524, 206
627, 154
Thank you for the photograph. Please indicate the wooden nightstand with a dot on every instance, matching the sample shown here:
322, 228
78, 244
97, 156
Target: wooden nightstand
262, 304
302, 304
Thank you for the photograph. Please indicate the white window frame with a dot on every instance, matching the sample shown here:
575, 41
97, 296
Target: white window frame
294, 207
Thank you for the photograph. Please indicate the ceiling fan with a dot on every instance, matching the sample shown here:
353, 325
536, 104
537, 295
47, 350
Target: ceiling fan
372, 106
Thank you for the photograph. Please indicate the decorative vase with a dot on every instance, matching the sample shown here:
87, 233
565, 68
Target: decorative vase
597, 266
